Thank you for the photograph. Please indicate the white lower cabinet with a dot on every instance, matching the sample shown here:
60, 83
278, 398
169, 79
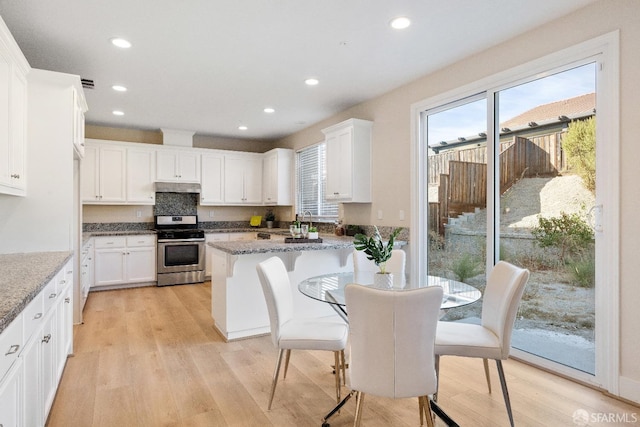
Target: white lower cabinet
123, 260
11, 398
212, 237
45, 326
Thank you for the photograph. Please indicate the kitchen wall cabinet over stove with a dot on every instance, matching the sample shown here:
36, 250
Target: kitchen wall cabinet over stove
349, 161
124, 260
177, 166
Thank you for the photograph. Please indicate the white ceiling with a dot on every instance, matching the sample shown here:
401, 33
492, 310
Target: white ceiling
209, 66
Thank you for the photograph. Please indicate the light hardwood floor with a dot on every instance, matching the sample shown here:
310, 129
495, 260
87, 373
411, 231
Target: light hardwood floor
151, 357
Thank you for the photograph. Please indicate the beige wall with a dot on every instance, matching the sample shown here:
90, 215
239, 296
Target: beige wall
391, 140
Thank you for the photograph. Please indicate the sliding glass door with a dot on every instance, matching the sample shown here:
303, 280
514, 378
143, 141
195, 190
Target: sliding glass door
509, 173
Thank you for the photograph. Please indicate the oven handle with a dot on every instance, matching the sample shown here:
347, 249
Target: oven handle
180, 240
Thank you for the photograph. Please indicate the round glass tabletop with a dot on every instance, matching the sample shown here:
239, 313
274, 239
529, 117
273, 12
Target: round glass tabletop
329, 288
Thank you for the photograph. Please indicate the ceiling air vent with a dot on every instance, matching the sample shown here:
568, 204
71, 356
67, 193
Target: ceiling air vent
87, 84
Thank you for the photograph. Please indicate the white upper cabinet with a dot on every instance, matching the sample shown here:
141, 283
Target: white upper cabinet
141, 172
212, 192
349, 161
103, 174
13, 115
177, 166
243, 178
277, 170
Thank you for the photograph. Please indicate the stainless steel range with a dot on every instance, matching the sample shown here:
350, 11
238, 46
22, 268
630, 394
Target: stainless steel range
180, 250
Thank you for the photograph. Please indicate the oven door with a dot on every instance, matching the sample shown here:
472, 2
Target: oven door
176, 256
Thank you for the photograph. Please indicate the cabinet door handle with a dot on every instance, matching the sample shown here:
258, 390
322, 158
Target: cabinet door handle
52, 296
37, 316
46, 338
67, 300
13, 349
62, 282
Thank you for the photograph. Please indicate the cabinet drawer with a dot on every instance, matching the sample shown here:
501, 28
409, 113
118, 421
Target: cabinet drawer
33, 316
143, 240
110, 242
10, 345
216, 237
50, 294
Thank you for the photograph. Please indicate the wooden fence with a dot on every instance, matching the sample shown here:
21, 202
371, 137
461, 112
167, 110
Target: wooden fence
462, 181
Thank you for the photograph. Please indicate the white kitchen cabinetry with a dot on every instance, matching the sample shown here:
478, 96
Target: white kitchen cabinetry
103, 174
124, 260
86, 271
349, 161
242, 237
177, 166
212, 192
45, 326
13, 115
212, 237
243, 178
11, 397
141, 174
277, 179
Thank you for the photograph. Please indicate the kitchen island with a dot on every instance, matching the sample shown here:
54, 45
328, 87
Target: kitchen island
238, 307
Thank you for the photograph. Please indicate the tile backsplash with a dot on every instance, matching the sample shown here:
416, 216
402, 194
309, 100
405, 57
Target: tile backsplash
176, 204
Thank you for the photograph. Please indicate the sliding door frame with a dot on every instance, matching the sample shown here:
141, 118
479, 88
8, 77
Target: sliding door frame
604, 50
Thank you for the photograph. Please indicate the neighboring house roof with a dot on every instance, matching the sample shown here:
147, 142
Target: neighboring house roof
582, 105
542, 116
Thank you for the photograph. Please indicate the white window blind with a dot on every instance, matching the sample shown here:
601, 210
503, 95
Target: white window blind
311, 176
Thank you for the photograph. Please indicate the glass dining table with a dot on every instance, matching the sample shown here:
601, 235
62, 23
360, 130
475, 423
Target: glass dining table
329, 288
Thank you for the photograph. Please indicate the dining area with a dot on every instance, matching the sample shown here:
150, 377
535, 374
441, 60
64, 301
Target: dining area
385, 336
149, 356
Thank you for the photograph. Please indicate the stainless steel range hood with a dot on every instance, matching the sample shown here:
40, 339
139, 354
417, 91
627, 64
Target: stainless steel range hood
177, 187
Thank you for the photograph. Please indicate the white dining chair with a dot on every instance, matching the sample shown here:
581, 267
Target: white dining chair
395, 264
392, 335
491, 339
291, 333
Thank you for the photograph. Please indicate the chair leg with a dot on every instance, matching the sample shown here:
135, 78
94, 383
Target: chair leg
427, 411
337, 375
286, 363
437, 366
275, 377
505, 392
344, 368
486, 373
359, 403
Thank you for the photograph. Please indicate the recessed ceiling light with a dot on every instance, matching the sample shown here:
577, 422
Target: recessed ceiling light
119, 88
269, 110
312, 81
242, 127
121, 43
400, 23
118, 113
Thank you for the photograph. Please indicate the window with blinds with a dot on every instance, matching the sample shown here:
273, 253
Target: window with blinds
311, 176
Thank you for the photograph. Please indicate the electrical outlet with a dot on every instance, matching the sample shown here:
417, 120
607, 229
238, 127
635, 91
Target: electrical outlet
138, 214
401, 215
211, 213
379, 213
